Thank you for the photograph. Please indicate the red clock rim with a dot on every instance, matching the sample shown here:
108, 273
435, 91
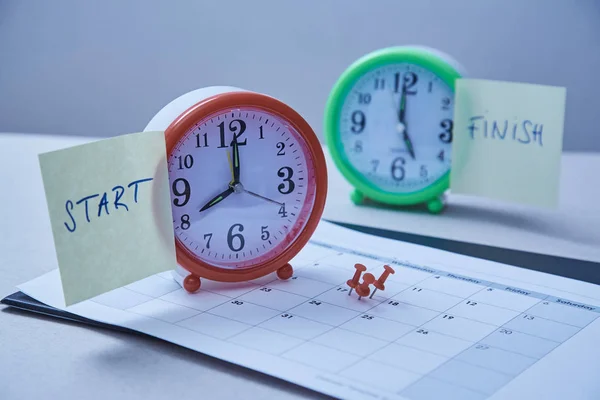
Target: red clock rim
225, 101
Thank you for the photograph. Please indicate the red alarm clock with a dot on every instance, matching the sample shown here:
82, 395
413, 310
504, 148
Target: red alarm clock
248, 183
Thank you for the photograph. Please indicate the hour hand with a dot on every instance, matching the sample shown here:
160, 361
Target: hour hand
408, 144
217, 199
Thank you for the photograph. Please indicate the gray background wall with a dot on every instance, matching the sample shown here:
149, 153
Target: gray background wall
105, 67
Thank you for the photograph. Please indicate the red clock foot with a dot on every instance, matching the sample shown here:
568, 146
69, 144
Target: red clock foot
285, 272
191, 283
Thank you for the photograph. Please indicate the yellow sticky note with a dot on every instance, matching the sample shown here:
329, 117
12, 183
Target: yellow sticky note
110, 212
508, 141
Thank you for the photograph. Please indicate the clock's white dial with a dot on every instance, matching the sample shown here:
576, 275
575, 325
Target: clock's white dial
241, 207
396, 127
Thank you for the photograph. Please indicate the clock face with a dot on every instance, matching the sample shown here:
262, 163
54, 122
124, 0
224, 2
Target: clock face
396, 127
242, 188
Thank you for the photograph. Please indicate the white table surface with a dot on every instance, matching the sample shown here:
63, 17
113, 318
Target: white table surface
41, 357
572, 230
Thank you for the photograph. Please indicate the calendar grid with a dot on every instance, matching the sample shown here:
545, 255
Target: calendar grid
453, 358
440, 322
416, 327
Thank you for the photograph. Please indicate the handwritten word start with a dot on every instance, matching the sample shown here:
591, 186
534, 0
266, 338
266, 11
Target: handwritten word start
103, 204
524, 132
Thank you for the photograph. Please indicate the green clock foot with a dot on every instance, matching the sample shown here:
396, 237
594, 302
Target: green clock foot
357, 197
435, 206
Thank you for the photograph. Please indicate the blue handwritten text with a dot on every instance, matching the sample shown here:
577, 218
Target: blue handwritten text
524, 132
102, 205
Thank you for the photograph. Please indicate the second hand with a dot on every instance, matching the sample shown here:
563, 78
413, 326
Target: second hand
233, 185
263, 197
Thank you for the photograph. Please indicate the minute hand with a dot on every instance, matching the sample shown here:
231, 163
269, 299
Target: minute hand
402, 120
236, 160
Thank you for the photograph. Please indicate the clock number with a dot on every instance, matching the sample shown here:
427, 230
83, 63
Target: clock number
364, 98
446, 103
233, 236
260, 129
398, 169
446, 136
441, 156
358, 146
379, 84
282, 211
237, 131
209, 236
423, 171
358, 121
186, 192
410, 79
375, 164
222, 133
430, 86
185, 222
286, 173
280, 147
264, 233
186, 161
198, 140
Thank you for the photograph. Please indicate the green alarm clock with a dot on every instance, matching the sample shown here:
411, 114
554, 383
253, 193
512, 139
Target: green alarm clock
388, 126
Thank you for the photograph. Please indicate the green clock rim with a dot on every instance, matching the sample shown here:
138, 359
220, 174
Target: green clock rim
393, 55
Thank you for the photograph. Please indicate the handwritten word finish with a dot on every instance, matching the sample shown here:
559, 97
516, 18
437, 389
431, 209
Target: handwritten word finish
524, 132
507, 141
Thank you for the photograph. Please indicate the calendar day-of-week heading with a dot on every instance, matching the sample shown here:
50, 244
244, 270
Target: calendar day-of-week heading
493, 285
573, 304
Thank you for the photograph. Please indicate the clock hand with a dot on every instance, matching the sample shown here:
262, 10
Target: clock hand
236, 160
402, 109
263, 197
402, 123
232, 181
218, 198
408, 144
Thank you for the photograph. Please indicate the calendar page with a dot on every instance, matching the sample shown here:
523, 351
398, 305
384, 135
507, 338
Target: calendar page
446, 326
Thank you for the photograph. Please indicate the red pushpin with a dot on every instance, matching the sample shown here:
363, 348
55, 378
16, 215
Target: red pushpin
363, 289
354, 281
379, 283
